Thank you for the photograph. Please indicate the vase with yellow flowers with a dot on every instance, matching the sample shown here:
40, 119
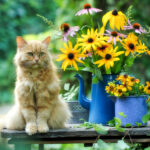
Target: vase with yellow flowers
104, 51
130, 97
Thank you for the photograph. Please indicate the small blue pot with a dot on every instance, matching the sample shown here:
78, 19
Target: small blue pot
134, 107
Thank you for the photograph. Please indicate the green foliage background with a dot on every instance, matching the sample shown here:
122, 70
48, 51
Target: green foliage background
19, 18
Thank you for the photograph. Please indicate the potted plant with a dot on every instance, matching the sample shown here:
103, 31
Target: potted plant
105, 53
130, 97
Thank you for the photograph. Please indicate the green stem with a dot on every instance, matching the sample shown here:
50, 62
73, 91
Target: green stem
91, 19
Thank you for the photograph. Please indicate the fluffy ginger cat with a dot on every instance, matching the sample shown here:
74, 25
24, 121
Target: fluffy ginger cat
37, 104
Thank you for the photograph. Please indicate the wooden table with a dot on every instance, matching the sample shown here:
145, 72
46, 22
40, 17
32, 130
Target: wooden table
75, 135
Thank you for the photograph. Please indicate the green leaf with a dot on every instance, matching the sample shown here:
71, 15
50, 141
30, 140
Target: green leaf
98, 74
111, 123
122, 114
128, 125
99, 128
120, 129
94, 80
138, 124
118, 122
122, 145
66, 86
146, 118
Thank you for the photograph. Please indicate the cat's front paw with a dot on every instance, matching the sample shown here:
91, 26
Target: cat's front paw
31, 128
43, 128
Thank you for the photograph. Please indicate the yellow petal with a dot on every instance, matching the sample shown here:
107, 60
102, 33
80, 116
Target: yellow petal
75, 65
61, 57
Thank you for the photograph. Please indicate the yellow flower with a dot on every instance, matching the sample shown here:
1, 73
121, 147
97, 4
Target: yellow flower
148, 100
127, 85
116, 20
123, 78
108, 58
148, 52
103, 47
89, 41
133, 80
147, 88
110, 88
70, 56
120, 90
141, 87
131, 45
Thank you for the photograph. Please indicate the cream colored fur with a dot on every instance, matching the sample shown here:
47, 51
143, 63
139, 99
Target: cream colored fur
37, 104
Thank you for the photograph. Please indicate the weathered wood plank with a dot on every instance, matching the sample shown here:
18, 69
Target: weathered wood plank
76, 132
86, 141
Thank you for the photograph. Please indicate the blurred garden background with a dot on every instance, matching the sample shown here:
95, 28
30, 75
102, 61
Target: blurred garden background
19, 18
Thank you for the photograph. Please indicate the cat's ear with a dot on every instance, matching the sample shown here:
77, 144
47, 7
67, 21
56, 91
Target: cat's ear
20, 42
46, 41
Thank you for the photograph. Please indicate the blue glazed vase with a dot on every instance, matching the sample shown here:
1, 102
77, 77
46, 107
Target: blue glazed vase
101, 108
134, 107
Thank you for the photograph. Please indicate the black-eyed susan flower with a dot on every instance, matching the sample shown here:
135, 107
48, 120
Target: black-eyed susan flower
136, 26
89, 41
127, 85
70, 55
123, 78
120, 90
103, 47
131, 45
87, 9
108, 58
67, 30
110, 88
116, 20
133, 80
114, 36
147, 88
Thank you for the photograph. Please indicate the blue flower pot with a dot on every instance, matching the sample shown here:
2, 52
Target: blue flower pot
134, 107
101, 108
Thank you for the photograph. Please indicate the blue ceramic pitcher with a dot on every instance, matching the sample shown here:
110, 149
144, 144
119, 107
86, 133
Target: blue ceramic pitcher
101, 108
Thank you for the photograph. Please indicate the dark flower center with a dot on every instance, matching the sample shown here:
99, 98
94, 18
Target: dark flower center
136, 26
131, 46
125, 84
107, 56
87, 52
119, 91
115, 12
87, 6
102, 48
125, 76
132, 79
111, 88
65, 27
90, 40
149, 88
71, 56
114, 33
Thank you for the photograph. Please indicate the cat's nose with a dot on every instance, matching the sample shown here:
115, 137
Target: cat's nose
36, 60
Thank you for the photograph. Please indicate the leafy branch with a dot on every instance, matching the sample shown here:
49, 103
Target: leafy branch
130, 14
49, 22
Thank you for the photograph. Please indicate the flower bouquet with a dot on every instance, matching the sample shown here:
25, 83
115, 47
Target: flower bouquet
109, 49
130, 97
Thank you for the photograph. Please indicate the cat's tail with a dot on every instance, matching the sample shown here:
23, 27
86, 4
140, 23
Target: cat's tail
2, 122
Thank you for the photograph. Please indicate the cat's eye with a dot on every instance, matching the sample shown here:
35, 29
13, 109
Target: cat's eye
41, 53
30, 53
